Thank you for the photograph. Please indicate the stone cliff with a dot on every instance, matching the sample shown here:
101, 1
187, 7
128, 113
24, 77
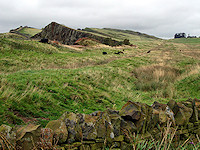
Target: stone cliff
65, 35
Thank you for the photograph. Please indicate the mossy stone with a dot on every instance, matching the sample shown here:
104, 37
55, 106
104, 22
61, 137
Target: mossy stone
60, 130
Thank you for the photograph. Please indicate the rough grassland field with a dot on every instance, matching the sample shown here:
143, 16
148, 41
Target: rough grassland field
39, 82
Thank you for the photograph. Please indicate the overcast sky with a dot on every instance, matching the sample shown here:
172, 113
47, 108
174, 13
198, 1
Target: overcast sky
161, 18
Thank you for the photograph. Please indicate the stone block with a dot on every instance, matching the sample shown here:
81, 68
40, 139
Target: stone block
60, 130
28, 136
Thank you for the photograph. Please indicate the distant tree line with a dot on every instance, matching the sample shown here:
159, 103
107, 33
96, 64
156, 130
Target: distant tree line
183, 35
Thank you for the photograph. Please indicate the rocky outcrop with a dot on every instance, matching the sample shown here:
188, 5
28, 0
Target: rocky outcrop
65, 35
109, 128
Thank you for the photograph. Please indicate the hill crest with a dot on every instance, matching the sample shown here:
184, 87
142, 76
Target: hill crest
66, 35
110, 30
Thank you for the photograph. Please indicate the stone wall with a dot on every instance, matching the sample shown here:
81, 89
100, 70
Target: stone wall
65, 35
110, 128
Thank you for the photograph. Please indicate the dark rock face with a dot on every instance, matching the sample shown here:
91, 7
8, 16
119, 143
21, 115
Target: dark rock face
65, 35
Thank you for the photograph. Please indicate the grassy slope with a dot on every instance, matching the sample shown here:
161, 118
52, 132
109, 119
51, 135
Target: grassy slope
30, 31
136, 38
121, 34
39, 82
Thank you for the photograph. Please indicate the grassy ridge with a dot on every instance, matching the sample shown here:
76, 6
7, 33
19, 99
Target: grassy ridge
39, 82
30, 31
121, 34
143, 41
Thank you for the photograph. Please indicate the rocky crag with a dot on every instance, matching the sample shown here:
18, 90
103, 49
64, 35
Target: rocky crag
65, 35
110, 128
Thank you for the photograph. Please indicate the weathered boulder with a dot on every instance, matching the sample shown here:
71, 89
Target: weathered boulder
158, 106
182, 114
139, 113
173, 106
89, 131
131, 111
116, 121
46, 140
164, 113
155, 118
60, 130
104, 127
195, 105
28, 136
72, 122
147, 112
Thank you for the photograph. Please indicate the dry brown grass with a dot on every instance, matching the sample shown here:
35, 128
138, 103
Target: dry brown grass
191, 71
156, 72
158, 78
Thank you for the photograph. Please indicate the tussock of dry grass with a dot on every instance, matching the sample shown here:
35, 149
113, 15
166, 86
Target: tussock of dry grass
156, 78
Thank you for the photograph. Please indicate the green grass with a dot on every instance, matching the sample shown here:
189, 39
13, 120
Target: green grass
189, 86
121, 34
38, 82
30, 31
187, 40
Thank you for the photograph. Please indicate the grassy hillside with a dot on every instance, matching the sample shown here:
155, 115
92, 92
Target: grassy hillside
39, 81
30, 31
140, 39
121, 34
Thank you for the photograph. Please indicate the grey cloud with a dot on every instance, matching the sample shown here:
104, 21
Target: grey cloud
162, 18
